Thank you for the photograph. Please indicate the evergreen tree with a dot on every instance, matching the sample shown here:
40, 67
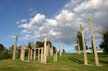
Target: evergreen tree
104, 44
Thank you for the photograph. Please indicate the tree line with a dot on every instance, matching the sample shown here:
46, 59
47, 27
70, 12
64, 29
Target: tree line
6, 53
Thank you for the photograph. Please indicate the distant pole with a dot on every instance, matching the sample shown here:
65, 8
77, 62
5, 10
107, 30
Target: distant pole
45, 51
41, 55
60, 48
83, 43
34, 58
79, 47
55, 57
38, 54
28, 54
15, 46
93, 41
51, 51
22, 53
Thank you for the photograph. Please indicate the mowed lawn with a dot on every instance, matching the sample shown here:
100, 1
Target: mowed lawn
67, 62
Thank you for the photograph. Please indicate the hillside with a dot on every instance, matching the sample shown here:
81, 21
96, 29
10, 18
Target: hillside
68, 62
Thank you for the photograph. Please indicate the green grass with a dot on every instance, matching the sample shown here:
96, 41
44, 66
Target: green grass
67, 62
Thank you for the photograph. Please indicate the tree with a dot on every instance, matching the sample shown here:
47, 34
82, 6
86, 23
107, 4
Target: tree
4, 53
39, 44
104, 44
79, 42
2, 48
64, 51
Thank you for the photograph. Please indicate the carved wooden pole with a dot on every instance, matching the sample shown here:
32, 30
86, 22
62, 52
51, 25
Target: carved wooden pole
60, 49
45, 57
34, 58
83, 43
51, 51
48, 49
22, 53
31, 54
93, 42
41, 55
15, 46
28, 54
79, 47
55, 57
38, 54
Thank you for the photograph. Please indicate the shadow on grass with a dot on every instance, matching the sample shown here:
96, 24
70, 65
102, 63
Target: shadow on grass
76, 60
105, 62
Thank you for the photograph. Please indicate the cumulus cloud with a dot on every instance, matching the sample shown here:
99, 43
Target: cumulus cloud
65, 25
52, 22
38, 18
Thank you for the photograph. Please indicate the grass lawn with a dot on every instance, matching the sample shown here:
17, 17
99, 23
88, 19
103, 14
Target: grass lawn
68, 62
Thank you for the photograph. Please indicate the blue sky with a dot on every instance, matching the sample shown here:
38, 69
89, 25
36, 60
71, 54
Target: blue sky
13, 11
59, 20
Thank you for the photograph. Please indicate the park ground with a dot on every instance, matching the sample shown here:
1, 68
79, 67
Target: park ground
67, 62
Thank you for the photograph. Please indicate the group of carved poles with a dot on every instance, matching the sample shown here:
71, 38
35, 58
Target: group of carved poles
93, 42
42, 53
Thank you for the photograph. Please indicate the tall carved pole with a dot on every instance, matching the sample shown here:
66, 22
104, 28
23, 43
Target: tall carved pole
34, 58
83, 43
79, 47
28, 54
22, 53
39, 55
15, 46
93, 42
42, 55
60, 49
51, 51
45, 52
55, 57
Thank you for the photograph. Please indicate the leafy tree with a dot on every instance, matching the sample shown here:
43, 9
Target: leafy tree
2, 48
39, 44
4, 53
64, 51
79, 38
104, 44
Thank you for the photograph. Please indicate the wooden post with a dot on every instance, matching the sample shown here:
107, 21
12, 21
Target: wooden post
45, 47
28, 54
55, 57
41, 55
60, 49
22, 53
38, 54
34, 58
15, 46
31, 54
79, 47
51, 51
93, 42
48, 49
83, 43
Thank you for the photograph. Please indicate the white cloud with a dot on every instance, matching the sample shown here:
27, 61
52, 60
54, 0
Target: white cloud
65, 25
37, 18
65, 15
25, 26
23, 20
53, 33
52, 22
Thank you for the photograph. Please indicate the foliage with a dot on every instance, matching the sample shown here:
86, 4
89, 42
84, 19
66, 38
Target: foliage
104, 44
4, 53
2, 48
79, 38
